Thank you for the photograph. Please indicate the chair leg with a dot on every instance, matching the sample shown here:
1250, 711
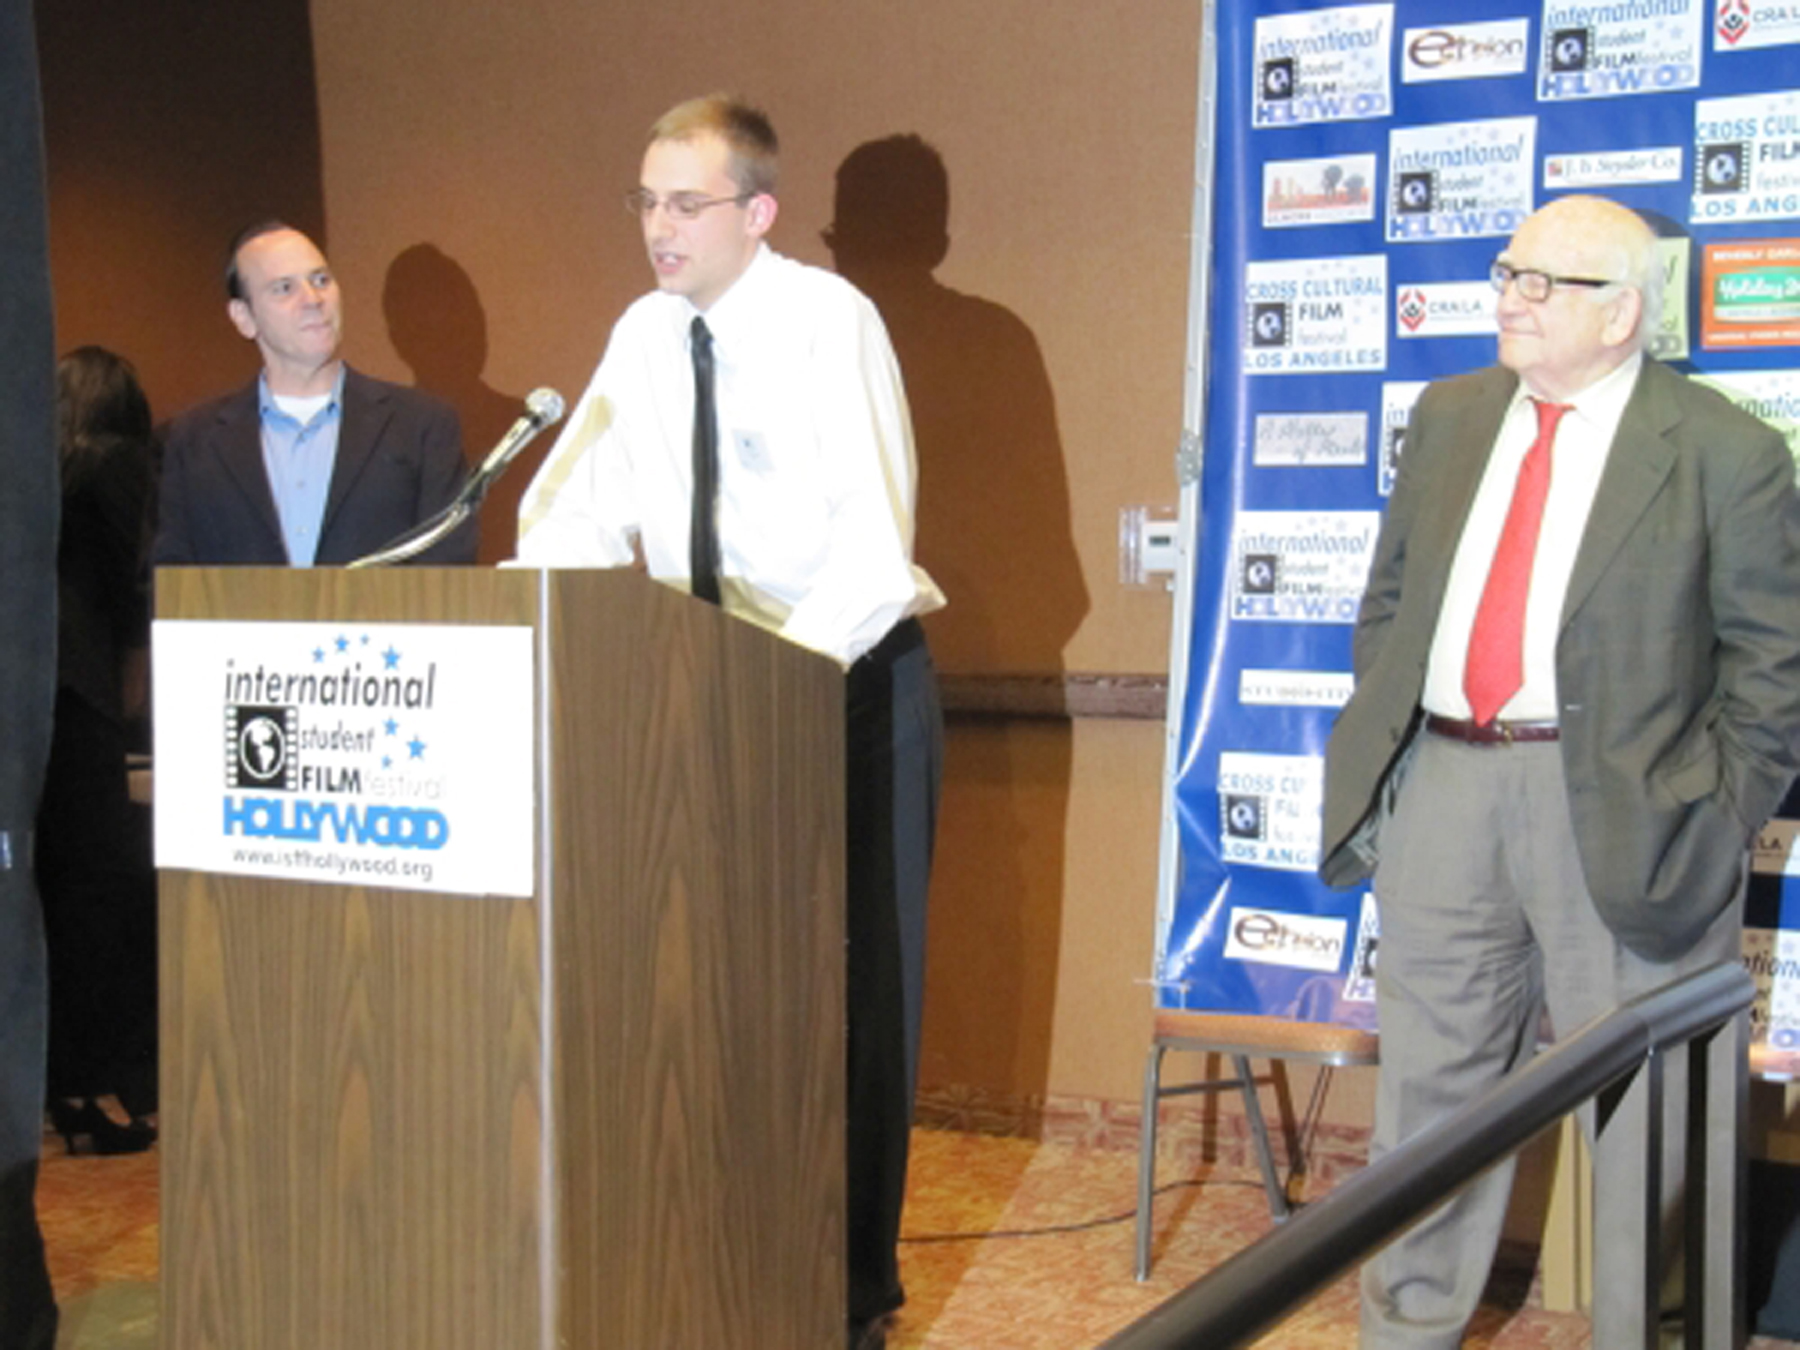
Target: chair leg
1259, 1138
1147, 1156
1308, 1124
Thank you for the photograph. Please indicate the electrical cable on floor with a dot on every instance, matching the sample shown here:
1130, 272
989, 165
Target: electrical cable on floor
1087, 1225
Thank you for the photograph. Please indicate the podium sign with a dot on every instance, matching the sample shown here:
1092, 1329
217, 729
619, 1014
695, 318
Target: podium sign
386, 754
601, 1107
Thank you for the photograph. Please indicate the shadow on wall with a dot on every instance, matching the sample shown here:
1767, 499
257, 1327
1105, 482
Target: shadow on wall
436, 322
994, 531
993, 524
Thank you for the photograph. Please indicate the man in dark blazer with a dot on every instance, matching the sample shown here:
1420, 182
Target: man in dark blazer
312, 463
1578, 832
28, 516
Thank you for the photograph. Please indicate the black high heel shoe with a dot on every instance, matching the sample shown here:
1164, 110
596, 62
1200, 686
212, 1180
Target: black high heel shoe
85, 1119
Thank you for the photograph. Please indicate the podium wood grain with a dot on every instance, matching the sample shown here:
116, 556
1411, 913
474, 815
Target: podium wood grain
607, 1116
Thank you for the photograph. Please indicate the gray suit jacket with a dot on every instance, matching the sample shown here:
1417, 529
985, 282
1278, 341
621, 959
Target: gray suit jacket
399, 459
1677, 663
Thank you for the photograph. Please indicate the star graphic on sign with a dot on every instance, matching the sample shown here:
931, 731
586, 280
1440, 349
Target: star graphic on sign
387, 761
392, 727
417, 747
343, 644
318, 655
390, 658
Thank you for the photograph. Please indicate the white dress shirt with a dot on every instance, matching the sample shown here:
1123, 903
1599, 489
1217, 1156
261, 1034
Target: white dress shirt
816, 466
1578, 456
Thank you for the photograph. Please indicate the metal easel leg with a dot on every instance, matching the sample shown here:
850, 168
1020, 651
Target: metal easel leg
1147, 1156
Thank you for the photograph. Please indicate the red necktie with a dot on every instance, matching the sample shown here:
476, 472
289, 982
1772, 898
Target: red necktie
1496, 663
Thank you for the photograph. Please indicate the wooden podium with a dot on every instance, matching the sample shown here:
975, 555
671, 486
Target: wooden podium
608, 1115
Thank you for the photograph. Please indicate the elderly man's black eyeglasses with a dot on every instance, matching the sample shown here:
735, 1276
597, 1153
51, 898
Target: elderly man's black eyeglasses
1536, 286
642, 202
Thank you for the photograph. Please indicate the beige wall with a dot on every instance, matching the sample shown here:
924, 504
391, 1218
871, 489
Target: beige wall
464, 163
1042, 915
505, 136
1046, 383
168, 127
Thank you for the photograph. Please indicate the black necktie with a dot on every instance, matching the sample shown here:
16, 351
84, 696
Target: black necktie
703, 529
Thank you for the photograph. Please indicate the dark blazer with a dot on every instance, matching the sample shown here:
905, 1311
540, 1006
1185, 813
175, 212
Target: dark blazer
1677, 663
28, 511
399, 459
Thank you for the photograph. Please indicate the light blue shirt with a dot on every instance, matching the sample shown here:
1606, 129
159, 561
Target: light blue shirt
299, 459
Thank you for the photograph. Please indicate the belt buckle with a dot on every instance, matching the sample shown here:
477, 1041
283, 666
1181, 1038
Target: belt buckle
1505, 730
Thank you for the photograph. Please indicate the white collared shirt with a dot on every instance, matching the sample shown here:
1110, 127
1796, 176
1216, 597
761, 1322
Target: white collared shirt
816, 465
1578, 456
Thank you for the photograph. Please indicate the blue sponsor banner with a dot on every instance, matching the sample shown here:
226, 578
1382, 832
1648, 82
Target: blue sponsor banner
1370, 162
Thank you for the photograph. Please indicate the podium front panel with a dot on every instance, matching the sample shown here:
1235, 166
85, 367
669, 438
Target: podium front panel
607, 1114
697, 782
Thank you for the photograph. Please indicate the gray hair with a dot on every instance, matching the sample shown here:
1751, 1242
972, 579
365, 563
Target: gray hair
1641, 268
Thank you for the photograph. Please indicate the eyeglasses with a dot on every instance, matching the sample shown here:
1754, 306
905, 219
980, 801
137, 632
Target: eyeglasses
1536, 286
642, 203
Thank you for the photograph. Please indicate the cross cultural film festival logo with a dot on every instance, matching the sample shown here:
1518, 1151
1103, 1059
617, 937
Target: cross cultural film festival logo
320, 753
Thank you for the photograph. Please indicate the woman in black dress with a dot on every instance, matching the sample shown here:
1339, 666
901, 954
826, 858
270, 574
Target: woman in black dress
93, 851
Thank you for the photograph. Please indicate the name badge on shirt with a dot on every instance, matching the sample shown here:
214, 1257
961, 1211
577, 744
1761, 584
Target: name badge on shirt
752, 451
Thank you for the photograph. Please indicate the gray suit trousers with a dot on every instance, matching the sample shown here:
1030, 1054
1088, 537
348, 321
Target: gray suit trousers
1485, 922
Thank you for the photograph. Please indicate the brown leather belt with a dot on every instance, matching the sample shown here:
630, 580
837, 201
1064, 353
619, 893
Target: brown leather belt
1490, 733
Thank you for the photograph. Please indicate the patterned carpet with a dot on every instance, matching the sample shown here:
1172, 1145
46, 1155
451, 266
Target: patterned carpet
1071, 1286
1012, 1245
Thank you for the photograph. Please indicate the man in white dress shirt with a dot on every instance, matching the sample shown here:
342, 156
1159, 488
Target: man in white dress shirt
808, 532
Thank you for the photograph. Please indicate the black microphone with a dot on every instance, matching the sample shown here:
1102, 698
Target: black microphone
543, 407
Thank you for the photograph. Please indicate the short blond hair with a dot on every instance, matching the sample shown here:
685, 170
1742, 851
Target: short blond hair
746, 131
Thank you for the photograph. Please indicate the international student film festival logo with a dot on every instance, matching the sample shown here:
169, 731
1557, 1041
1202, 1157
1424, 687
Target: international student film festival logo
328, 723
1262, 574
1271, 323
333, 742
1242, 815
1569, 48
1415, 192
259, 747
1277, 79
1722, 167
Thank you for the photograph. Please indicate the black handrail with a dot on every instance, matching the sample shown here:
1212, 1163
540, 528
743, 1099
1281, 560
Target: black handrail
1258, 1286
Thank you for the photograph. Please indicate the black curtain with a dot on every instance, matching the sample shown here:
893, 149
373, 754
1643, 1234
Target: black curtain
28, 513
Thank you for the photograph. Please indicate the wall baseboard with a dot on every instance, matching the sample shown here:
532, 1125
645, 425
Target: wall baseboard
1069, 694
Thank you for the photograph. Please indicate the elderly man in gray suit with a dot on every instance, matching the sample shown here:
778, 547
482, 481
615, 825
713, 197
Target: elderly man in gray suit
1577, 698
